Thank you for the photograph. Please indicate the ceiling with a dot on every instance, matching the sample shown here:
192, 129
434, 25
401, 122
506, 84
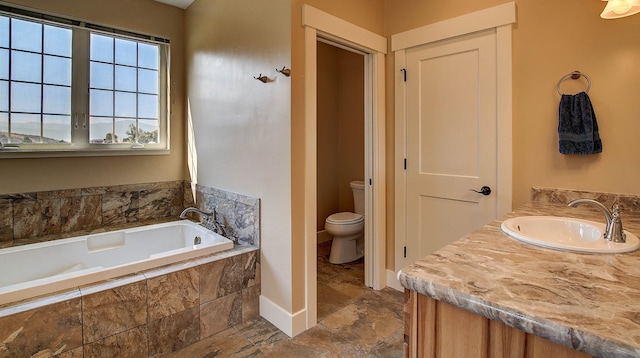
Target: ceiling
178, 3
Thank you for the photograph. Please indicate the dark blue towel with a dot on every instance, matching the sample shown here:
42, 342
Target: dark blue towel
577, 126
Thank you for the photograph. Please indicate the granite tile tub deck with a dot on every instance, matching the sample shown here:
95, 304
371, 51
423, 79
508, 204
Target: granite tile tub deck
589, 302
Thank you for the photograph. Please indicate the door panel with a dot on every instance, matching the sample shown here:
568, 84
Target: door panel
451, 140
441, 99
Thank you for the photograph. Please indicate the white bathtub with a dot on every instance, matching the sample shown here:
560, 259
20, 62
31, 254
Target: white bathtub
42, 268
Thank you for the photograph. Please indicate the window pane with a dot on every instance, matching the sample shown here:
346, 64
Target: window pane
57, 70
101, 76
25, 97
125, 104
126, 130
126, 52
26, 66
56, 129
125, 78
37, 85
57, 41
4, 96
148, 81
4, 64
148, 131
100, 130
147, 106
26, 126
101, 103
57, 100
4, 128
4, 31
26, 35
101, 48
148, 56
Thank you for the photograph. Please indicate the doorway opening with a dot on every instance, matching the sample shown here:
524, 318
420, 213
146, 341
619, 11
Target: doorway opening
320, 25
341, 165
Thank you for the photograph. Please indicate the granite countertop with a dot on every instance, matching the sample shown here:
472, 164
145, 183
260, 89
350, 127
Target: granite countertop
590, 302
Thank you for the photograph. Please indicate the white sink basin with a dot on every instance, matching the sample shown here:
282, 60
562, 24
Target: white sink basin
566, 234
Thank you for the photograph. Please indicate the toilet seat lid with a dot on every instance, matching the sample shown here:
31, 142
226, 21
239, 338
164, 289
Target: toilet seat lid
345, 218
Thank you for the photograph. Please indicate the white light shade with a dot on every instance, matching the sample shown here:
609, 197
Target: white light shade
620, 8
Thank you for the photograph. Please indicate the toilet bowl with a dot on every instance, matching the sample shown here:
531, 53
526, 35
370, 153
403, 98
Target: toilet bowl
347, 229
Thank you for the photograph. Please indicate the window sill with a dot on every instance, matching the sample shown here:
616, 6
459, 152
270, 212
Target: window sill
56, 153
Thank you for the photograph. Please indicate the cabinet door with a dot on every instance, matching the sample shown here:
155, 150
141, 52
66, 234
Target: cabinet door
505, 341
446, 331
538, 347
461, 333
435, 329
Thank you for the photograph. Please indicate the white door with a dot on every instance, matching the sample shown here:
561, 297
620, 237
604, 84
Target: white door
451, 140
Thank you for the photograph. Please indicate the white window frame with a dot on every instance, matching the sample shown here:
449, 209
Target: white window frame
80, 142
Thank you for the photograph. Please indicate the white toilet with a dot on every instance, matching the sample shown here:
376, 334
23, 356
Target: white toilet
347, 229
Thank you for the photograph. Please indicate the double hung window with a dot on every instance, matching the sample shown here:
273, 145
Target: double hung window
68, 86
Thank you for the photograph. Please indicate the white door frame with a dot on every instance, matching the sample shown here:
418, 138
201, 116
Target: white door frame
501, 18
318, 23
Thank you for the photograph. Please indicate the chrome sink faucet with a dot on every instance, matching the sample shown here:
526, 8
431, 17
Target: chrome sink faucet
614, 231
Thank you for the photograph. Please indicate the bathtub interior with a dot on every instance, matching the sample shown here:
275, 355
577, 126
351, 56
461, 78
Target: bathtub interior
70, 262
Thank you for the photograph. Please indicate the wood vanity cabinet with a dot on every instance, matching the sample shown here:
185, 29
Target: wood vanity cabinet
436, 329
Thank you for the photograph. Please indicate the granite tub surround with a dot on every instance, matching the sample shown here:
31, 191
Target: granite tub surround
590, 303
48, 215
27, 218
149, 314
240, 214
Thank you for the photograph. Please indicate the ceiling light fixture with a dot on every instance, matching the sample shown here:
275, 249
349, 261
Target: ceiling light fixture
616, 9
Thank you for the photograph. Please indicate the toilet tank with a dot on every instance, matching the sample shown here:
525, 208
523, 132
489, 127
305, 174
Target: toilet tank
357, 186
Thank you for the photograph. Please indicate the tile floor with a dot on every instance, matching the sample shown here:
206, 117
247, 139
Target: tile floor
353, 321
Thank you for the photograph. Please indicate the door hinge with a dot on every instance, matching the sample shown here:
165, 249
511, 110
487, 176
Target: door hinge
405, 163
405, 252
404, 72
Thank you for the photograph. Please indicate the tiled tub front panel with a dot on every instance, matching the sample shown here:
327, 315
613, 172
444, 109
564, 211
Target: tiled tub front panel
150, 314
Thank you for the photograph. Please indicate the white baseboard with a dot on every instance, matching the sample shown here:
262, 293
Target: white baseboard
290, 324
323, 236
392, 281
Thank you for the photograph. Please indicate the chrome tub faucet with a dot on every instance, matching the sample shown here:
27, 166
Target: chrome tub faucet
204, 213
209, 222
614, 231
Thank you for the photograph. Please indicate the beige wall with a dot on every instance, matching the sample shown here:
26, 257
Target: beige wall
146, 16
327, 127
546, 47
340, 128
351, 125
551, 39
241, 126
